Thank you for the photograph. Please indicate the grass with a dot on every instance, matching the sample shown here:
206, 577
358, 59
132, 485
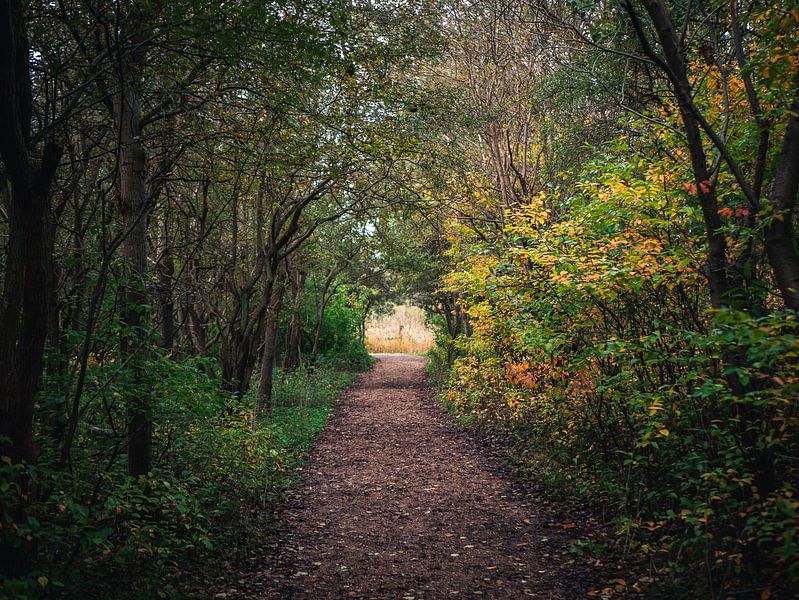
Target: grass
404, 331
304, 401
303, 404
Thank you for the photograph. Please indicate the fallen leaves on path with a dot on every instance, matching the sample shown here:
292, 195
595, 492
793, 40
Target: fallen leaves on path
397, 501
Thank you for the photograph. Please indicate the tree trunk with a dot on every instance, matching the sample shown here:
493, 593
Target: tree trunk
195, 319
132, 191
780, 246
270, 344
197, 328
23, 313
725, 287
293, 335
166, 282
320, 316
674, 68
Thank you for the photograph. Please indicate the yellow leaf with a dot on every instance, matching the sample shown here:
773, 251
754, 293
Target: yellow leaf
664, 432
765, 594
42, 580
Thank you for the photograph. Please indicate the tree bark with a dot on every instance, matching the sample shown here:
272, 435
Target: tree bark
674, 68
132, 177
23, 313
780, 246
275, 292
778, 232
293, 335
725, 287
166, 283
320, 316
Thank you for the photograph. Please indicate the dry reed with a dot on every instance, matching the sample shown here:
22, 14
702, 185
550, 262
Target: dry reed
404, 331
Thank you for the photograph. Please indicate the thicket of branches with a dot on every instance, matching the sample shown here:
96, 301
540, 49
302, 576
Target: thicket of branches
624, 265
186, 189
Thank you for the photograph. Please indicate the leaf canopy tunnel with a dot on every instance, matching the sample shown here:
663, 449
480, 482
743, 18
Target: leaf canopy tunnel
203, 205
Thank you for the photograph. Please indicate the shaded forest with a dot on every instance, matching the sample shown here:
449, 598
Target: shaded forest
202, 204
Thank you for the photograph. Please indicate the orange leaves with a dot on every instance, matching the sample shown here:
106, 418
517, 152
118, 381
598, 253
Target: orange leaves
737, 212
561, 277
540, 375
520, 375
706, 187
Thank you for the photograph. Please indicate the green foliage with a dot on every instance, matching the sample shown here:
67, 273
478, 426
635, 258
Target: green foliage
306, 387
441, 356
593, 347
219, 474
340, 338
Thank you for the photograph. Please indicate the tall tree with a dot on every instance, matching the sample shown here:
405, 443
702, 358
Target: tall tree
133, 207
23, 313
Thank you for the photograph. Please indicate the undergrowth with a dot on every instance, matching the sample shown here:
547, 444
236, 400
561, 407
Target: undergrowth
185, 527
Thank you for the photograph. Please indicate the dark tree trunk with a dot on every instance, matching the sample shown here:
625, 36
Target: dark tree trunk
132, 177
778, 232
165, 286
725, 287
324, 298
194, 317
294, 332
23, 313
236, 360
197, 328
674, 66
780, 245
275, 292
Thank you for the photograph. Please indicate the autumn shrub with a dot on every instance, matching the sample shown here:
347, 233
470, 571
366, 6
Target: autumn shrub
593, 343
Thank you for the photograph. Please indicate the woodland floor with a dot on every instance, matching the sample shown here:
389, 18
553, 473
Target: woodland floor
398, 501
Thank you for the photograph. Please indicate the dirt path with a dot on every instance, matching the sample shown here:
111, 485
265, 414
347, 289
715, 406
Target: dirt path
397, 502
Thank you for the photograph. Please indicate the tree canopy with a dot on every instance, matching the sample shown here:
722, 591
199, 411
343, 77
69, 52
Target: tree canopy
202, 203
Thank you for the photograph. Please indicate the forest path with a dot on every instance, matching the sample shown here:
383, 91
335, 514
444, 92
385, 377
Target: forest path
397, 501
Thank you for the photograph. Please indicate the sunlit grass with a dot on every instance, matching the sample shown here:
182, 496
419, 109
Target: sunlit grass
403, 331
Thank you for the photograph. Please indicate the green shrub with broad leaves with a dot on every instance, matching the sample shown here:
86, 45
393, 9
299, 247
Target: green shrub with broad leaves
210, 498
340, 338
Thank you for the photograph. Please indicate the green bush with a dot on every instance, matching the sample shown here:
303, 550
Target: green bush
219, 472
340, 338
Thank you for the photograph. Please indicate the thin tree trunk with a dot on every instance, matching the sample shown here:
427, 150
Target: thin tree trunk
293, 335
133, 209
270, 344
320, 316
166, 282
